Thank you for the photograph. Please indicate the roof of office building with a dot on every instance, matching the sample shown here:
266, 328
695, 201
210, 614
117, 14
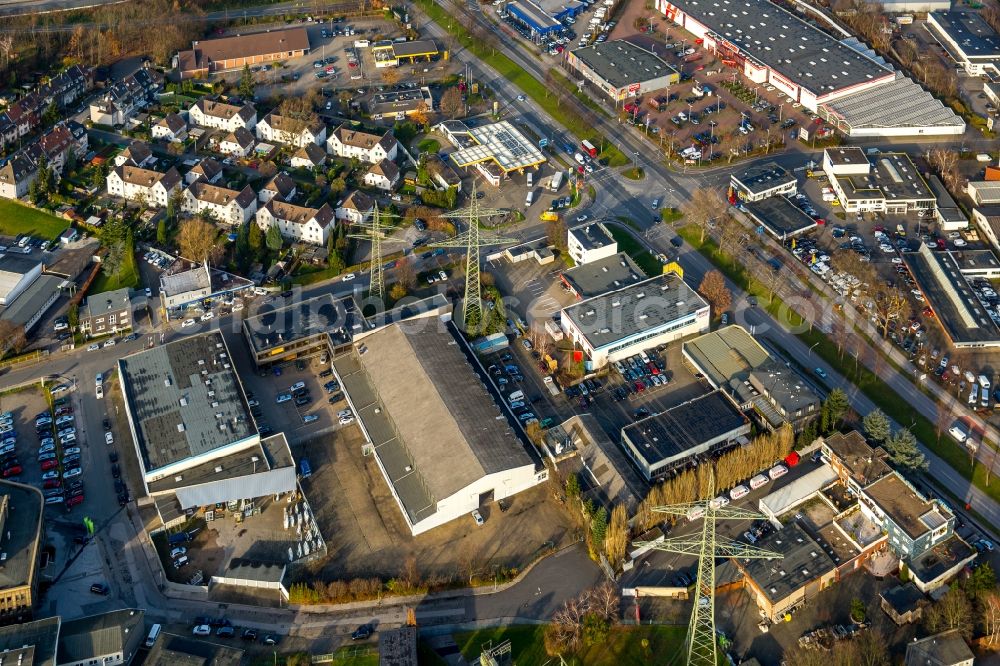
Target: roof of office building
620, 62
597, 277
184, 399
592, 236
275, 326
976, 260
534, 14
780, 216
784, 386
905, 507
671, 433
803, 560
777, 38
654, 303
173, 650
22, 534
892, 175
764, 177
28, 304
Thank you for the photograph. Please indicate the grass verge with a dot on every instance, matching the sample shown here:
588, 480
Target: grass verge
634, 173
643, 258
624, 645
531, 86
128, 276
860, 376
16, 218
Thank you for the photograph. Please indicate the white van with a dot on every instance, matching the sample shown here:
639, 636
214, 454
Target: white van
757, 481
515, 396
153, 635
738, 492
180, 561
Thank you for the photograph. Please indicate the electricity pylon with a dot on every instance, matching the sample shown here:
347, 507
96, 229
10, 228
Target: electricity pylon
707, 545
376, 232
472, 239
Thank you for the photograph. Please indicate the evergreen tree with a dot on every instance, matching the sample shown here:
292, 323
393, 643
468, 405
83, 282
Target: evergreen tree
273, 238
255, 237
599, 526
836, 405
161, 231
247, 84
903, 451
876, 426
35, 191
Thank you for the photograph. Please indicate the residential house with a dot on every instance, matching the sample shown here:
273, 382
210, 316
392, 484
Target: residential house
309, 156
856, 463
297, 223
355, 144
106, 313
384, 176
208, 170
171, 128
17, 175
126, 98
220, 203
356, 207
283, 129
904, 603
281, 186
219, 115
945, 649
137, 154
23, 116
136, 184
238, 143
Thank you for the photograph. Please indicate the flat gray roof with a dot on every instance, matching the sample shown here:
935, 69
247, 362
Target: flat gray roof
779, 216
764, 177
592, 236
21, 534
905, 507
597, 277
971, 32
785, 386
255, 571
34, 641
892, 175
947, 209
846, 156
275, 326
939, 276
803, 561
976, 260
687, 426
788, 45
185, 399
181, 282
173, 650
633, 309
414, 48
437, 431
621, 63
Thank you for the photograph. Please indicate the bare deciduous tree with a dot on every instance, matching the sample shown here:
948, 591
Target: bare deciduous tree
713, 288
704, 208
196, 240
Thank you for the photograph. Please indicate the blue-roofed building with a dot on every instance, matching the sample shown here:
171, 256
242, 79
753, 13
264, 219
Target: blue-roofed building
533, 17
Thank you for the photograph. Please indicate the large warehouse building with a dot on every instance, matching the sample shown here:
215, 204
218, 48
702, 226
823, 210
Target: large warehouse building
841, 81
968, 39
638, 316
194, 436
231, 53
621, 69
443, 444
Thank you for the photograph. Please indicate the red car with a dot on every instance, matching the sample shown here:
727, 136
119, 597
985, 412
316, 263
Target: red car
52, 483
639, 387
12, 471
927, 312
73, 501
49, 464
699, 68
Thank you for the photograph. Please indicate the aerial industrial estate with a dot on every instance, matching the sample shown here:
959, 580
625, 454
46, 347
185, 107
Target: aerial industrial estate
521, 332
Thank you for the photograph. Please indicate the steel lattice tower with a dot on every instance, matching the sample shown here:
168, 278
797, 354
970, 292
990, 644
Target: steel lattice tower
375, 232
472, 239
701, 646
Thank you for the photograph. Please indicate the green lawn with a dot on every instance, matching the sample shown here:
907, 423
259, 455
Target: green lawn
629, 245
128, 277
877, 390
429, 146
623, 646
531, 86
16, 218
634, 173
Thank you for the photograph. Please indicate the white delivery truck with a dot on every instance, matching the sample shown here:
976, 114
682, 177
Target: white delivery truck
530, 198
556, 182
